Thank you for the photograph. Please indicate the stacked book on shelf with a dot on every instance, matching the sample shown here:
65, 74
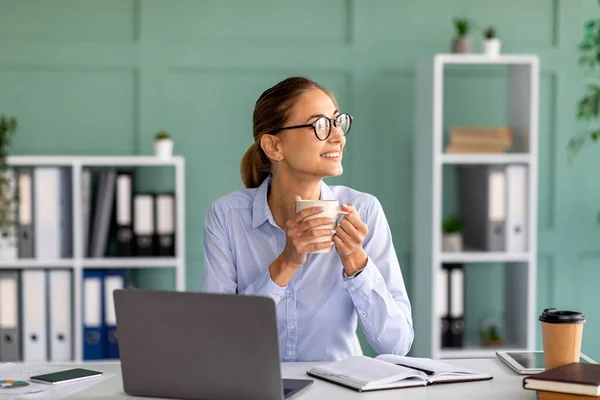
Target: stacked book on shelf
479, 140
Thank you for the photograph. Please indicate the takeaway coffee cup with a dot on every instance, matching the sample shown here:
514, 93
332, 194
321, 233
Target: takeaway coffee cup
331, 209
562, 332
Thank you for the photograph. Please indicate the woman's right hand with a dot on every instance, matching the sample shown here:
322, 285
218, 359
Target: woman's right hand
299, 232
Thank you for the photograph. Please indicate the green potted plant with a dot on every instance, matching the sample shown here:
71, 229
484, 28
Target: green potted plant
491, 337
462, 42
452, 239
8, 128
163, 145
491, 44
588, 107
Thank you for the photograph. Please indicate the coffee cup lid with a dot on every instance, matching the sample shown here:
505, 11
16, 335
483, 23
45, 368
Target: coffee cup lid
555, 316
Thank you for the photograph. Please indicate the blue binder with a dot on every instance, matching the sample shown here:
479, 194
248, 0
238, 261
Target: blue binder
113, 279
93, 314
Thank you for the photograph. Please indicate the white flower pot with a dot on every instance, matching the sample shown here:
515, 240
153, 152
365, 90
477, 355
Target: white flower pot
163, 148
452, 242
491, 47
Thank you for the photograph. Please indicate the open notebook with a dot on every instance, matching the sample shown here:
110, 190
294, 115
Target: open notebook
389, 371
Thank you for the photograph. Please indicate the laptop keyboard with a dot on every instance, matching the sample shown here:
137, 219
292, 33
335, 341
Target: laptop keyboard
287, 391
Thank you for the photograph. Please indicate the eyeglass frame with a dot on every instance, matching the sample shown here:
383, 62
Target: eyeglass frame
313, 125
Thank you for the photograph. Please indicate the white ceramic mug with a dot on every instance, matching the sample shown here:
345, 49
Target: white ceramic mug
331, 209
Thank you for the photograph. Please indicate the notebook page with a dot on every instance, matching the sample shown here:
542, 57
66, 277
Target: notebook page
363, 371
427, 365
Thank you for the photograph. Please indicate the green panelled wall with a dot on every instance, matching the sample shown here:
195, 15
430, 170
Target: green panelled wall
101, 77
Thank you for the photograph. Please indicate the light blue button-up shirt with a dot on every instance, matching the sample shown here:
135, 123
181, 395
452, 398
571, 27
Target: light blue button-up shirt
318, 311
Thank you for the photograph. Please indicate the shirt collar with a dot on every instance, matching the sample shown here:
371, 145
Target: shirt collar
260, 208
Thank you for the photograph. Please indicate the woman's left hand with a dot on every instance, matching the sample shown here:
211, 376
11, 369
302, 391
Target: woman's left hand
349, 237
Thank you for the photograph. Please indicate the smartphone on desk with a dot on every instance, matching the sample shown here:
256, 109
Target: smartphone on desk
68, 375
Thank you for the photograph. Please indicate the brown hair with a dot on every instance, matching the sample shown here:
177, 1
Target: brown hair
271, 111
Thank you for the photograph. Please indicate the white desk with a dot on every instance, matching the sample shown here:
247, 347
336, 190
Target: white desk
504, 385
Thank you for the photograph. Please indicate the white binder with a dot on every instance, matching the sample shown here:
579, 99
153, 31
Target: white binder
457, 293
10, 321
60, 326
47, 231
33, 298
8, 239
516, 213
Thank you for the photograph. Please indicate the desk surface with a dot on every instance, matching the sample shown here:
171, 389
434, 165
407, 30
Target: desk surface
505, 385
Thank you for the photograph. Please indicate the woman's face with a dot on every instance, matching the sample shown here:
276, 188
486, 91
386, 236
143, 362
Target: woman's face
302, 151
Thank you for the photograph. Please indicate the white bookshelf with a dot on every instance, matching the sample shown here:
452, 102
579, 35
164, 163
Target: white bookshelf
78, 262
429, 163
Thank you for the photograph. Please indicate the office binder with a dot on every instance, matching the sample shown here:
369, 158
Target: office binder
457, 321
103, 212
33, 303
482, 207
93, 342
52, 210
123, 215
86, 209
165, 224
143, 224
60, 326
113, 280
8, 235
516, 208
443, 303
10, 323
25, 214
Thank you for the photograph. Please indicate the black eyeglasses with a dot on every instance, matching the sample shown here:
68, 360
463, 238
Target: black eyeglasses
322, 126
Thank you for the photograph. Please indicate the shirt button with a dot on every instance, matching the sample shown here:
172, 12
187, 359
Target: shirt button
291, 295
291, 326
290, 353
352, 288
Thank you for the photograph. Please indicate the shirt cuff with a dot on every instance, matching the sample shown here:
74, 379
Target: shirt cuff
366, 280
270, 288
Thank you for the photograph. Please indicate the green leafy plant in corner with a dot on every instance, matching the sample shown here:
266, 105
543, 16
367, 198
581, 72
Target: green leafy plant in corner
463, 26
161, 135
588, 106
489, 32
452, 224
8, 128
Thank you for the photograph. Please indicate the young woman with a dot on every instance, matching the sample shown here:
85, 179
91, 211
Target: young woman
256, 244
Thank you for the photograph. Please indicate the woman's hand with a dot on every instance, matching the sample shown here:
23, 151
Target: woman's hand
299, 232
349, 238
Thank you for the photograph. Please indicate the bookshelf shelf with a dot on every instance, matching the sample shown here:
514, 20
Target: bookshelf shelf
107, 161
78, 263
483, 257
485, 159
434, 170
477, 352
34, 263
130, 262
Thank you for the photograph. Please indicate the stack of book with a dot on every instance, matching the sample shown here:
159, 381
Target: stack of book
575, 381
480, 140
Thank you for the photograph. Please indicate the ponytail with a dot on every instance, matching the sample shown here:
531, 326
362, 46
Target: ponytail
271, 112
255, 167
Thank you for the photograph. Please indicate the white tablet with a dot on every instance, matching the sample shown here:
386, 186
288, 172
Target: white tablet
530, 362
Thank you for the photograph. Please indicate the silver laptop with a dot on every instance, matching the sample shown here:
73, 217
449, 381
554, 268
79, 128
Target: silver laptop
200, 346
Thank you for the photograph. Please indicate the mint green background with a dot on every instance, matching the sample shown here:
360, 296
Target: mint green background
100, 77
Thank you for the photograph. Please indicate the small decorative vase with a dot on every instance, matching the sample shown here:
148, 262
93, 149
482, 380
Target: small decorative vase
452, 242
462, 45
163, 148
491, 47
